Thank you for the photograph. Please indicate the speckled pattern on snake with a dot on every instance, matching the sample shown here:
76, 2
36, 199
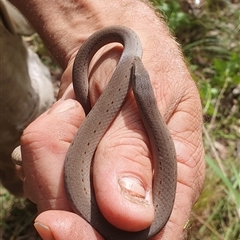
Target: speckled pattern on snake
129, 75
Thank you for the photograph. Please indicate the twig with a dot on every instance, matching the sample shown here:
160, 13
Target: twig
207, 226
215, 153
220, 96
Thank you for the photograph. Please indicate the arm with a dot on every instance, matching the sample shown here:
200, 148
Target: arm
64, 25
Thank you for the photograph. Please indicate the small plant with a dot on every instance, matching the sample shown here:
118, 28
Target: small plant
172, 13
211, 43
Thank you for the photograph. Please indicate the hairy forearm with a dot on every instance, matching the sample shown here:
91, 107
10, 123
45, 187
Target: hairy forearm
64, 25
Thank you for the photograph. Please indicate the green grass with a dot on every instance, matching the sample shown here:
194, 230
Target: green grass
210, 39
211, 43
16, 218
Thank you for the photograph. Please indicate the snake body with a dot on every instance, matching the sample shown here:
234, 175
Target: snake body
129, 73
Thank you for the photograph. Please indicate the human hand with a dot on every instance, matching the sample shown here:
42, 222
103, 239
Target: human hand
125, 148
122, 152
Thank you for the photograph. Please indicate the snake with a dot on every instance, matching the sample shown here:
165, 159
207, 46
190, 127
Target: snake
129, 75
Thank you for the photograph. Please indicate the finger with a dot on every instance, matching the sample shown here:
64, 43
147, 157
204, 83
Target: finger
60, 225
44, 145
122, 173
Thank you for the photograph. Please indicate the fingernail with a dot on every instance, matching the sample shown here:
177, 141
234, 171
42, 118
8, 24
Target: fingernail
17, 156
62, 106
132, 186
44, 231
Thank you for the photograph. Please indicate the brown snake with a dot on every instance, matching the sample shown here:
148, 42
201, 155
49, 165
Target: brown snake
129, 73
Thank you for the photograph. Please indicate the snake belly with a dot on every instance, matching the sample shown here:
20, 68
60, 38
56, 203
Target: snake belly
129, 74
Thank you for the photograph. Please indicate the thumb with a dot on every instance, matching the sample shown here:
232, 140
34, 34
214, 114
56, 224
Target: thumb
59, 225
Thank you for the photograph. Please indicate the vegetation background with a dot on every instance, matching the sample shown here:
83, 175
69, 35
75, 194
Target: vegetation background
209, 32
